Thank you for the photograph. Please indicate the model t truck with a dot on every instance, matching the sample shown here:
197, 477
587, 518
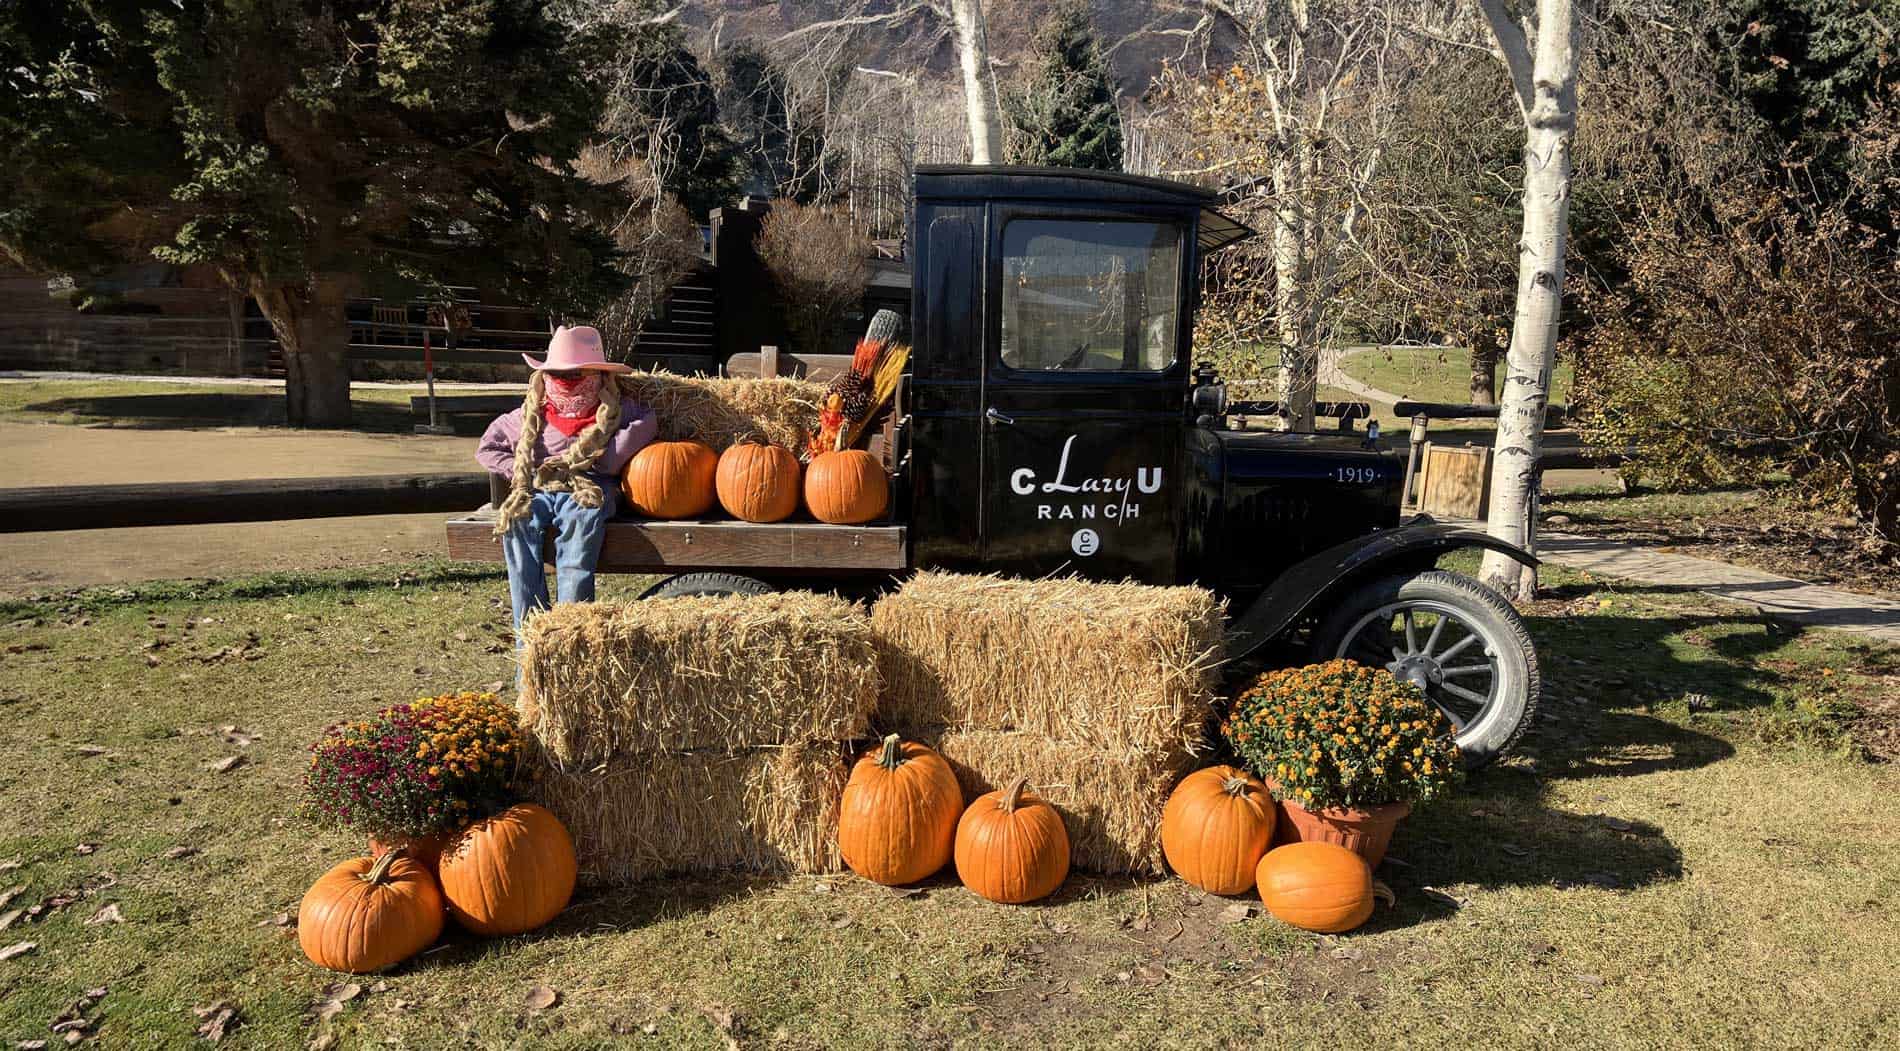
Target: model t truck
1052, 421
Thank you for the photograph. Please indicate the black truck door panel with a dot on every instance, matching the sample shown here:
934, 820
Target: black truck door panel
1083, 393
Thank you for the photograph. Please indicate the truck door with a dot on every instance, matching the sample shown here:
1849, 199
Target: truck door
1084, 387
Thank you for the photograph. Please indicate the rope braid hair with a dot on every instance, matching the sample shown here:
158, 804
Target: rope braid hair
566, 473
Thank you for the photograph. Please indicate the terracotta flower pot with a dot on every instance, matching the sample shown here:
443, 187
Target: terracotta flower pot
1364, 832
423, 850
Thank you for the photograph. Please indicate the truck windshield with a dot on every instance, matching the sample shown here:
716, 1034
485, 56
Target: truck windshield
1090, 296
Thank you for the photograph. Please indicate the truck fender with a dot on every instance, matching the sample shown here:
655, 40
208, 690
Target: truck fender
1416, 544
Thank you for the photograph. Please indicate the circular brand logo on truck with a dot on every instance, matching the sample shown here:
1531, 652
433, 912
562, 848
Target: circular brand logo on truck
1085, 542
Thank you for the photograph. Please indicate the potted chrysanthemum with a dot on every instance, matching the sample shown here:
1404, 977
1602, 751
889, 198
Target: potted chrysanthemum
1348, 750
413, 774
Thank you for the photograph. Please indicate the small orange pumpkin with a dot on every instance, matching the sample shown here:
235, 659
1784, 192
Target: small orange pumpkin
370, 913
671, 480
510, 873
757, 483
1215, 829
898, 820
1316, 886
1011, 846
846, 487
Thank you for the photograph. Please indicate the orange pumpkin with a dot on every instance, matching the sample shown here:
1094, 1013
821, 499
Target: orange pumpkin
370, 913
898, 820
510, 873
846, 487
671, 480
1216, 827
758, 483
1011, 846
1316, 886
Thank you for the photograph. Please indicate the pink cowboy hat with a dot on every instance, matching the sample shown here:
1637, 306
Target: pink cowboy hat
575, 348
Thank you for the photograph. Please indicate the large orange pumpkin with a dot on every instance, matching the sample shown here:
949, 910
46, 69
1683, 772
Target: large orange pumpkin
671, 480
1316, 886
898, 820
370, 913
1011, 846
510, 873
846, 487
758, 483
1216, 827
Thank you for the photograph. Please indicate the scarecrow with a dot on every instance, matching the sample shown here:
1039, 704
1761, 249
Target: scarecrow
562, 452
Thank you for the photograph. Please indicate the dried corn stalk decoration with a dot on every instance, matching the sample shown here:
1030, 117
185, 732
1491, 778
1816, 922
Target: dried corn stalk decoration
855, 395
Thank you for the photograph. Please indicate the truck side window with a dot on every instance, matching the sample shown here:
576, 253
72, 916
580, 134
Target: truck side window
1090, 296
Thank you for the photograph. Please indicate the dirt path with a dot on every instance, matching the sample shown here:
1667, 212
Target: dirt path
48, 454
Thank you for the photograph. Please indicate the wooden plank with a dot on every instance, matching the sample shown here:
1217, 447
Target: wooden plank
59, 507
1455, 481
634, 546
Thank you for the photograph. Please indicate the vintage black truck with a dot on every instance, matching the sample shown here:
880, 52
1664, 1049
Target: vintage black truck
1053, 421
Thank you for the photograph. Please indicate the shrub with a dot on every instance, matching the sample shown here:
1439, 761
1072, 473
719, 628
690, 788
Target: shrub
1340, 734
413, 769
816, 257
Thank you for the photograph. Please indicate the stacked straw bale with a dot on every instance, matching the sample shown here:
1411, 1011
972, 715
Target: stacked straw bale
1100, 694
702, 733
719, 412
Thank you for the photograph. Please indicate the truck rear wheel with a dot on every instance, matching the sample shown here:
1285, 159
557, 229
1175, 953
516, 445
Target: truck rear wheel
1461, 642
707, 584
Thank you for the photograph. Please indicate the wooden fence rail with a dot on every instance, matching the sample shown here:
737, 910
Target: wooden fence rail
38, 509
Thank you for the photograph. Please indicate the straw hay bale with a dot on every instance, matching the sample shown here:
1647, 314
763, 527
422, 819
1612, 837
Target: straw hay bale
1110, 800
1118, 666
763, 810
720, 411
729, 672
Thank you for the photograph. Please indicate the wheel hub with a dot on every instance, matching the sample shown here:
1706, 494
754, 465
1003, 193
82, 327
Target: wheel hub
1419, 670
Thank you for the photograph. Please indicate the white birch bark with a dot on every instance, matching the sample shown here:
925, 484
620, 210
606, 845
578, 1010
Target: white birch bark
979, 83
1546, 86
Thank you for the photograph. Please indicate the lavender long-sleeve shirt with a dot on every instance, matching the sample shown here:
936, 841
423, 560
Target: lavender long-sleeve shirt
637, 427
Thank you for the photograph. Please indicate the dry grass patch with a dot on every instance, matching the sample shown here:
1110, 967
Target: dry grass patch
771, 810
719, 412
1114, 666
717, 672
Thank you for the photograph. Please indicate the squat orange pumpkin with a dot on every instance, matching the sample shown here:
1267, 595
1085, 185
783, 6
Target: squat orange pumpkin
898, 820
1011, 846
671, 480
846, 487
510, 873
369, 913
1216, 827
1316, 886
758, 483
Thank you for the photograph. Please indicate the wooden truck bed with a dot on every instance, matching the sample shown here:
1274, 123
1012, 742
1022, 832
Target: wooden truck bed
644, 546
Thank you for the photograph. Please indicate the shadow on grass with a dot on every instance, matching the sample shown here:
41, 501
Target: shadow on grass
263, 586
162, 411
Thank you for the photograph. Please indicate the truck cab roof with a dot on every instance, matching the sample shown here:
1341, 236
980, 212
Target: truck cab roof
969, 182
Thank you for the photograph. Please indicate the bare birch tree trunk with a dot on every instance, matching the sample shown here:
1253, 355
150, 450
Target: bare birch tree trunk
979, 84
1546, 84
1292, 288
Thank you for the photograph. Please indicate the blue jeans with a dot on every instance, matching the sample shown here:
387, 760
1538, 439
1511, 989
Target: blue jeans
578, 533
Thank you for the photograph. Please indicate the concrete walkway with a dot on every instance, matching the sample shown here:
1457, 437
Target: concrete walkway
1777, 596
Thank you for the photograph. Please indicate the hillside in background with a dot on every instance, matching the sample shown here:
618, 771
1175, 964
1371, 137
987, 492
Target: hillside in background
902, 36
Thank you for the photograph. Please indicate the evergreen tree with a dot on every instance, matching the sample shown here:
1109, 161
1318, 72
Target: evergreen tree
1066, 115
662, 105
309, 152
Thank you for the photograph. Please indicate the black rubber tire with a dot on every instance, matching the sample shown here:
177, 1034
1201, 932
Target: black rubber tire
707, 584
1503, 722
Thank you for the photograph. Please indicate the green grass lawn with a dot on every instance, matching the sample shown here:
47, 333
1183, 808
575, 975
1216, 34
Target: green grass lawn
122, 403
1688, 853
1433, 374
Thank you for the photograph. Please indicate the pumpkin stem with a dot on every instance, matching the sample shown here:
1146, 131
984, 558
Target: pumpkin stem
380, 870
1013, 795
890, 758
1235, 786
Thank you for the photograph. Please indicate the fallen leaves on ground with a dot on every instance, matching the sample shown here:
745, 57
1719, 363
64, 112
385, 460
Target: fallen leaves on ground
7, 896
225, 765
85, 848
1236, 913
216, 1019
106, 914
540, 998
176, 853
72, 1023
17, 949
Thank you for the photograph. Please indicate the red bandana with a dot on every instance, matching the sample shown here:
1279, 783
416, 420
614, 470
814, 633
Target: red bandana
572, 403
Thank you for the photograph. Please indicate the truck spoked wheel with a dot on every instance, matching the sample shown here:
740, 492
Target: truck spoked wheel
1461, 642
